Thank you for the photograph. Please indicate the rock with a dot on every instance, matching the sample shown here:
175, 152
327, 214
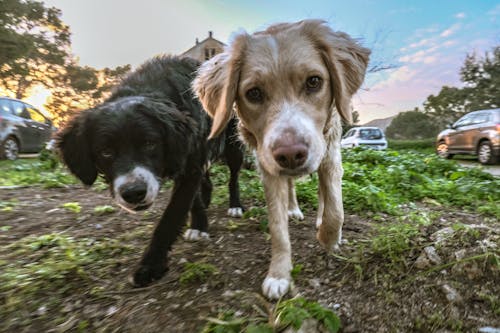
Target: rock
460, 254
432, 255
111, 310
442, 234
422, 261
451, 294
41, 310
488, 329
314, 283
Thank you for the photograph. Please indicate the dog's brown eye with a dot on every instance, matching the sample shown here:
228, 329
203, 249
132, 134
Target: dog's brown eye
313, 83
254, 95
150, 145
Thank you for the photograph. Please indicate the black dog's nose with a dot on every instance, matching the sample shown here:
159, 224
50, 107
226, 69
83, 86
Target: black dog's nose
290, 156
134, 193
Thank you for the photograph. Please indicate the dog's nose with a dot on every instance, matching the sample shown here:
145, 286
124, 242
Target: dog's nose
290, 156
134, 193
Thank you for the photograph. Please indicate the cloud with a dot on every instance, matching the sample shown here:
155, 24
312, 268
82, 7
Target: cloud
422, 56
450, 31
460, 15
402, 74
422, 42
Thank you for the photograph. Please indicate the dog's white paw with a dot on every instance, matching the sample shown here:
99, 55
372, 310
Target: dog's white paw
194, 235
275, 288
296, 213
235, 212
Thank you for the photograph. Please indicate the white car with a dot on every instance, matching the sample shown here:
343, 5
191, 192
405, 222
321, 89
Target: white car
372, 137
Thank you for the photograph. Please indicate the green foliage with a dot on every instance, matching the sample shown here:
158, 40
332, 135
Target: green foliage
34, 172
8, 206
105, 209
296, 270
382, 181
412, 125
34, 42
482, 83
294, 311
197, 272
52, 262
289, 313
72, 207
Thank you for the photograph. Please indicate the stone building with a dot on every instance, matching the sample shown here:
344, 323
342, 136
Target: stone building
205, 49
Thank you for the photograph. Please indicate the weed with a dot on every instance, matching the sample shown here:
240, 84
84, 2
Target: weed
197, 272
296, 270
105, 209
34, 172
52, 263
289, 313
72, 207
9, 205
294, 311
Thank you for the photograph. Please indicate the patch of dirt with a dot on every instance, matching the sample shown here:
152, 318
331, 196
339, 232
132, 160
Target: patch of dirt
369, 292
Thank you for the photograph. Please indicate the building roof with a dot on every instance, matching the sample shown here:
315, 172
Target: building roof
198, 44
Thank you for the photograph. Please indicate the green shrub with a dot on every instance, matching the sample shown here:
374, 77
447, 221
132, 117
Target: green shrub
412, 144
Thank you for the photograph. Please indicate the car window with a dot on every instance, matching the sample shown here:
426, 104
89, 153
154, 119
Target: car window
20, 110
464, 121
35, 115
348, 134
480, 118
6, 106
370, 134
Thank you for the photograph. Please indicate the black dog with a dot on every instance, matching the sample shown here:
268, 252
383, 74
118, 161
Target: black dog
152, 128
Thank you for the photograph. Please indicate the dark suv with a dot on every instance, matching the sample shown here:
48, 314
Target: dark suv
476, 133
23, 128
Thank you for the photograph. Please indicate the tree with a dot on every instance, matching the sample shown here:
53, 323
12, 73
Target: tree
412, 125
34, 45
81, 87
354, 123
481, 78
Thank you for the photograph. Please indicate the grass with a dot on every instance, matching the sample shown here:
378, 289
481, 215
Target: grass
197, 272
51, 265
290, 313
384, 181
394, 189
28, 172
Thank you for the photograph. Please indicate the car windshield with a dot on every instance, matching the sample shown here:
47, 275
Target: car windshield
370, 134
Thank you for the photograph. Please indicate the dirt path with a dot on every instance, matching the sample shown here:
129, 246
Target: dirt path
373, 287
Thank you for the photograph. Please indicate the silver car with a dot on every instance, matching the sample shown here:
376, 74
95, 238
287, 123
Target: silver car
476, 133
372, 137
23, 128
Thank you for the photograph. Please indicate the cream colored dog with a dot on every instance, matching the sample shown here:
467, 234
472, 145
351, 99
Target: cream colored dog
290, 86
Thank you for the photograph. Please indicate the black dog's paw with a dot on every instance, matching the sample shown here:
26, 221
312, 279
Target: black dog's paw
145, 274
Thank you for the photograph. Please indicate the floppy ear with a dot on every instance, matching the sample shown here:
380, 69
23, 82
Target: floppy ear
74, 147
345, 59
216, 83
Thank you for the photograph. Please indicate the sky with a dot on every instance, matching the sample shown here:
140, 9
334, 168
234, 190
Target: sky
424, 41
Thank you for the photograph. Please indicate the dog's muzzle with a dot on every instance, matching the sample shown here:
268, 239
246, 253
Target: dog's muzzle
134, 194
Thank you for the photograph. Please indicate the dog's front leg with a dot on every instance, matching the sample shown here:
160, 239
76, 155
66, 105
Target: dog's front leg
153, 264
294, 211
278, 279
330, 204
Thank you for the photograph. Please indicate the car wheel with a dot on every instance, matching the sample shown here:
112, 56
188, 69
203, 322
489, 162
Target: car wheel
442, 150
485, 153
10, 149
